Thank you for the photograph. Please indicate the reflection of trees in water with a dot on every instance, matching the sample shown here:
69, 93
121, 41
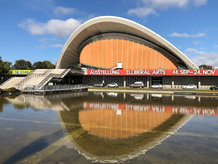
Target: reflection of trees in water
1, 105
20, 106
119, 149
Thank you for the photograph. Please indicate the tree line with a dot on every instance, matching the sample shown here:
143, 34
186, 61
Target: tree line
26, 65
6, 66
23, 64
4, 69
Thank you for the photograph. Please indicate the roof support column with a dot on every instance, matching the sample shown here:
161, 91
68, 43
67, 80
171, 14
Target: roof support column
148, 81
103, 82
172, 85
199, 82
124, 81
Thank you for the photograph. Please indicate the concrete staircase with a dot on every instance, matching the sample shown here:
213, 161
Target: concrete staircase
55, 73
39, 78
34, 78
12, 82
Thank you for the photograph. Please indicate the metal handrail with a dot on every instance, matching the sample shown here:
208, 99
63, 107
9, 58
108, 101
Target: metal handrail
77, 70
33, 74
51, 76
25, 79
55, 87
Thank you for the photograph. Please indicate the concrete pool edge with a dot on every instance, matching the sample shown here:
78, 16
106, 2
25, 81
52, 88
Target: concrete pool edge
176, 92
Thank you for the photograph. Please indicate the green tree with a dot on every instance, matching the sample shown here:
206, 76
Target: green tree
22, 64
43, 65
5, 67
1, 105
204, 66
39, 65
48, 64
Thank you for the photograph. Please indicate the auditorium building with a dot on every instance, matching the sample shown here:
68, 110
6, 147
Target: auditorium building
113, 49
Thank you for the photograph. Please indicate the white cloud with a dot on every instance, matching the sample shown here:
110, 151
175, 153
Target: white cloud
185, 35
154, 6
46, 40
199, 2
194, 51
201, 57
61, 11
197, 42
142, 12
215, 46
57, 45
164, 4
56, 27
50, 43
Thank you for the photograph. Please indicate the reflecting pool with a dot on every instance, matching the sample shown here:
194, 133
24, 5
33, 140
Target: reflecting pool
108, 128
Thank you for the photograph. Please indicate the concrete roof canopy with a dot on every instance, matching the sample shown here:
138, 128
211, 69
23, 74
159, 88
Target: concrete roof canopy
70, 53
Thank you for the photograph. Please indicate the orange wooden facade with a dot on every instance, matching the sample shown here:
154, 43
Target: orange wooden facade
107, 53
105, 123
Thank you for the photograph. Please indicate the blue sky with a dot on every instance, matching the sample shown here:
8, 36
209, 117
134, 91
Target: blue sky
36, 30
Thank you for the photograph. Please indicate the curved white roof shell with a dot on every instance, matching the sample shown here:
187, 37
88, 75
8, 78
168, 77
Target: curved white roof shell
69, 55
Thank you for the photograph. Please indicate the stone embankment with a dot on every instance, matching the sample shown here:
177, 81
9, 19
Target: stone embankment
161, 91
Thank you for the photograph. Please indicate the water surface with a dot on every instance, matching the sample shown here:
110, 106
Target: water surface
108, 127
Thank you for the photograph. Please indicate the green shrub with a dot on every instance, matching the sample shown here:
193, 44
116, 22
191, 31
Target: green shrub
12, 89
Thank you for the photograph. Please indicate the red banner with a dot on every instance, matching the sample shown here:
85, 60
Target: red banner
158, 72
154, 108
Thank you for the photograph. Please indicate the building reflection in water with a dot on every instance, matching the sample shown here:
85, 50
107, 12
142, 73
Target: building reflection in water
108, 134
112, 127
114, 121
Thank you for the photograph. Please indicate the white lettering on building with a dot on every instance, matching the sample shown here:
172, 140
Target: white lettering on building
208, 72
137, 72
104, 72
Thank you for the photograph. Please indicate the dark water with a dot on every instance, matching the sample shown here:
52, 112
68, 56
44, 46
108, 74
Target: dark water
108, 127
